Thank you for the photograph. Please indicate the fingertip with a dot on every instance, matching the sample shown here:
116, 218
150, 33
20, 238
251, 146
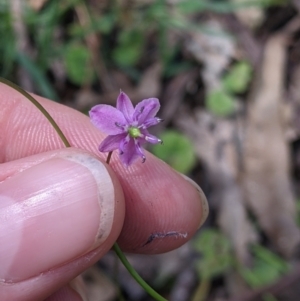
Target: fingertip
203, 200
167, 207
62, 208
57, 233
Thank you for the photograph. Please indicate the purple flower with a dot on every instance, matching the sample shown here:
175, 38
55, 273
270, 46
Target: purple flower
127, 126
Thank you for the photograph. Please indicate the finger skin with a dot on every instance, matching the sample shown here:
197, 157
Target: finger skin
42, 285
163, 210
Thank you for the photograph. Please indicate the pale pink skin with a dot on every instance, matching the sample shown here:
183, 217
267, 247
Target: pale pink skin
155, 198
116, 122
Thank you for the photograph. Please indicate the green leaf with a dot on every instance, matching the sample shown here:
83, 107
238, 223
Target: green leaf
177, 150
220, 103
267, 268
238, 78
220, 6
130, 48
42, 26
38, 76
216, 255
104, 24
270, 258
173, 69
7, 48
78, 64
269, 297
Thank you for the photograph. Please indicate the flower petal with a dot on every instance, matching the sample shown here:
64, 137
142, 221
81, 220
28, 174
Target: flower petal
123, 142
129, 152
152, 139
124, 105
111, 143
151, 121
146, 109
139, 150
105, 117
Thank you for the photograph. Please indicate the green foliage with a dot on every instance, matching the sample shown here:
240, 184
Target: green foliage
238, 77
221, 6
269, 297
38, 76
129, 49
131, 25
220, 103
177, 151
78, 64
42, 26
7, 46
104, 24
267, 268
217, 258
216, 254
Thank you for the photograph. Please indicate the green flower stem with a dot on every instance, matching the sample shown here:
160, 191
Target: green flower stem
136, 276
130, 268
116, 248
40, 107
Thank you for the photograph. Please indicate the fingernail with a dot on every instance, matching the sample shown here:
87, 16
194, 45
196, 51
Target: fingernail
52, 213
205, 207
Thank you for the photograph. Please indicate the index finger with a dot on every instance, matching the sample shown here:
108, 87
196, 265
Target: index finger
163, 209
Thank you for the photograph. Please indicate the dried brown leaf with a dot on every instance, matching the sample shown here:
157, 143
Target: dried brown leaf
250, 16
150, 84
98, 286
37, 4
216, 143
214, 48
267, 171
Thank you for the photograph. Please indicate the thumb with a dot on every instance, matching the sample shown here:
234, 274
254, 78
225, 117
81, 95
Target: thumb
53, 214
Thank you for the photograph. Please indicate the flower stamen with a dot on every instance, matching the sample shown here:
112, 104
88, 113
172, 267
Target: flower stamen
134, 132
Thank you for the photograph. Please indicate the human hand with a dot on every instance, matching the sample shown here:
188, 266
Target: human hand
61, 209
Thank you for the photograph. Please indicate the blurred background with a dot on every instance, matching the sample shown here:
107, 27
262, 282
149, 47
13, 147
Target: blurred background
227, 74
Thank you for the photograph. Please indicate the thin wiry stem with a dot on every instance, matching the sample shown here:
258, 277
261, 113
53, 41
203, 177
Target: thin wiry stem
136, 276
130, 268
108, 157
39, 107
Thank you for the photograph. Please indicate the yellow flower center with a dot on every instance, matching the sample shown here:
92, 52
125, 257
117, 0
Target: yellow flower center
134, 132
